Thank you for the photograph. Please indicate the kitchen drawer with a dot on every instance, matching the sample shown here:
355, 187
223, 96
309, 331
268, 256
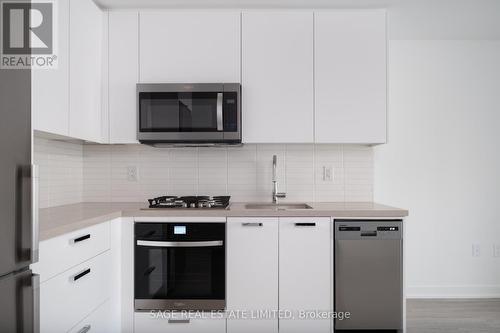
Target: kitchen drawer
97, 322
72, 295
146, 323
63, 252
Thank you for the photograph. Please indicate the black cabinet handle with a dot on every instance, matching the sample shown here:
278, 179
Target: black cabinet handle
305, 224
81, 274
85, 329
252, 224
81, 238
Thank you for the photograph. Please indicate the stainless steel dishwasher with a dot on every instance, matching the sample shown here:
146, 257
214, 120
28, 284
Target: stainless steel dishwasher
368, 274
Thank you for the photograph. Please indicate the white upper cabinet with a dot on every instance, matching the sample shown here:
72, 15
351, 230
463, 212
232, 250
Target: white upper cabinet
350, 76
277, 76
123, 76
85, 51
189, 46
49, 87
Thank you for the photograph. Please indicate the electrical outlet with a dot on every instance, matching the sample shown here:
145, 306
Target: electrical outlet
327, 173
132, 173
496, 250
476, 250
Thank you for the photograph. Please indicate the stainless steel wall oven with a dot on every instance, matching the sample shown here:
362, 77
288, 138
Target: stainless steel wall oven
180, 266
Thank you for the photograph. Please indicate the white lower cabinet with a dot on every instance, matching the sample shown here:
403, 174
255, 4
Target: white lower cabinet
65, 251
148, 322
97, 322
72, 295
305, 273
252, 273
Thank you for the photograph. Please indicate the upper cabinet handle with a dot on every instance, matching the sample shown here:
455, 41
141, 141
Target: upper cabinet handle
81, 238
252, 224
305, 224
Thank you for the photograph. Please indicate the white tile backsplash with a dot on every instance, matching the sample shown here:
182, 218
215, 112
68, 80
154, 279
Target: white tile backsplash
242, 172
72, 172
61, 171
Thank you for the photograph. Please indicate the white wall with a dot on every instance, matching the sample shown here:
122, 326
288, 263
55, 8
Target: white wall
442, 162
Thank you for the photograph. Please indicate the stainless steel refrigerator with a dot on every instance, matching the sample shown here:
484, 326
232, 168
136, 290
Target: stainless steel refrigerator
19, 287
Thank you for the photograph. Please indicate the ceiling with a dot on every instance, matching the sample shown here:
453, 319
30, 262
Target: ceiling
407, 19
247, 3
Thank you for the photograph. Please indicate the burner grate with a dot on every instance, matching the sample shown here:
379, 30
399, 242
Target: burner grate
204, 201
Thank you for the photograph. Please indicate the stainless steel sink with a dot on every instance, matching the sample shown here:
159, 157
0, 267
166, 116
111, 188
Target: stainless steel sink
283, 206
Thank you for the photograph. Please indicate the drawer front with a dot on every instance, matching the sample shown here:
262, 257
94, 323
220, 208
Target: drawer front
63, 252
72, 295
98, 321
145, 323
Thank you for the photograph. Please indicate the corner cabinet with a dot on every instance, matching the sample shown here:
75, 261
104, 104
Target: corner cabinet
277, 76
350, 76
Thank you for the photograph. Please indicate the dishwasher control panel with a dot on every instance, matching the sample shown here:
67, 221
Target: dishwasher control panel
366, 229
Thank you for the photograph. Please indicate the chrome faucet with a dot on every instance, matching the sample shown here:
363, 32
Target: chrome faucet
276, 194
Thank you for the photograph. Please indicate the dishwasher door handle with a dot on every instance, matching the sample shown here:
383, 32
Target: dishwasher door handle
369, 234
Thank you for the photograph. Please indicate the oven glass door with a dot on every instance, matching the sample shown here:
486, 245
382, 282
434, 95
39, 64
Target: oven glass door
180, 262
180, 112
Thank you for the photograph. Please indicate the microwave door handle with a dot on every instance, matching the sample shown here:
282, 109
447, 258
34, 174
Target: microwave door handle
220, 116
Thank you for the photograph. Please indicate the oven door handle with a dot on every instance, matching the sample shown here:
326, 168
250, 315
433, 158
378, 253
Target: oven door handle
180, 244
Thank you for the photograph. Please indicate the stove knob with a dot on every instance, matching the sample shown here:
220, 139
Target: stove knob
209, 205
192, 205
184, 205
200, 204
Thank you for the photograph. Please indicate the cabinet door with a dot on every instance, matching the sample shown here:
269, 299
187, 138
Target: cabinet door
277, 76
189, 46
86, 23
305, 257
350, 76
123, 76
252, 272
74, 293
49, 88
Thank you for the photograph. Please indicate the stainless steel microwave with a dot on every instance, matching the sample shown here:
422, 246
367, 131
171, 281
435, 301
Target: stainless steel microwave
184, 113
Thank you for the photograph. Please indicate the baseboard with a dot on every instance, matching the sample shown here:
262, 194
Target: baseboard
466, 291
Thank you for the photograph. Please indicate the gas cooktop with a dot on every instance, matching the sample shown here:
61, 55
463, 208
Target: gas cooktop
190, 202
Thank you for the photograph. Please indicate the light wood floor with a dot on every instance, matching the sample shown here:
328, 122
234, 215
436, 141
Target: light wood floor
453, 316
